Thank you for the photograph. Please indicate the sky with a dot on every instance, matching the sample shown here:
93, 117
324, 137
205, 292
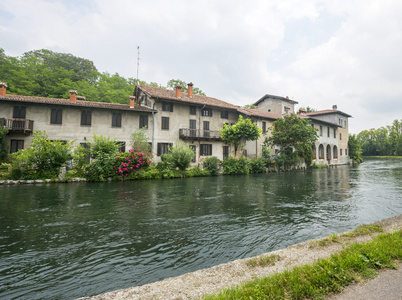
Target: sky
316, 52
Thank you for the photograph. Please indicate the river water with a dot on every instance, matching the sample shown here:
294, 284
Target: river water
63, 241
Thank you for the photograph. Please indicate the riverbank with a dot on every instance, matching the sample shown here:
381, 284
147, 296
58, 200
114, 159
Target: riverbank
212, 280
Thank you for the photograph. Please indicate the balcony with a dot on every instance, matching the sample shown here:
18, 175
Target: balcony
23, 126
197, 134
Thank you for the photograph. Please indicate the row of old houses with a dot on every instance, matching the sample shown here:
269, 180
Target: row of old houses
169, 116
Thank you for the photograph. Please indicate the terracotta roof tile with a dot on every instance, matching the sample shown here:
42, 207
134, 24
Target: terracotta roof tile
259, 113
162, 93
67, 102
328, 111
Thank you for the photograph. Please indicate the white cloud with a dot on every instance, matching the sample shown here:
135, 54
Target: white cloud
318, 52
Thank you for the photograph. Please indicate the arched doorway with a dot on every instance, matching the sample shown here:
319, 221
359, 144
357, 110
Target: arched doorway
328, 152
335, 152
321, 151
314, 152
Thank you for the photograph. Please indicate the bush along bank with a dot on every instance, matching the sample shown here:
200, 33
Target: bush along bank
100, 160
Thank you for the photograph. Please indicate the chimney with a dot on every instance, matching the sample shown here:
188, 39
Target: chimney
73, 95
132, 101
287, 97
190, 89
335, 107
3, 88
178, 91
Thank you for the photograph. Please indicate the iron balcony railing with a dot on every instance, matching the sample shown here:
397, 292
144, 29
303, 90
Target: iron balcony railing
192, 134
18, 125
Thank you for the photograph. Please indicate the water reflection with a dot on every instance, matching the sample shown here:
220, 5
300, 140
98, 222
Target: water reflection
66, 241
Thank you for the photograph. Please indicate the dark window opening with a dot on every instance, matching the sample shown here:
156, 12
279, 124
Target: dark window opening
224, 114
143, 121
122, 146
116, 120
86, 117
194, 148
19, 112
167, 106
193, 110
165, 123
163, 148
207, 112
225, 152
56, 116
264, 127
16, 145
205, 149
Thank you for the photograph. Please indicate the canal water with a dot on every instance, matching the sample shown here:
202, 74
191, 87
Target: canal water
63, 241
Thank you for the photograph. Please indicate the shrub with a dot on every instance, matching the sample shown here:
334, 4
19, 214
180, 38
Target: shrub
139, 142
197, 172
257, 165
233, 166
3, 143
211, 165
129, 162
42, 160
180, 156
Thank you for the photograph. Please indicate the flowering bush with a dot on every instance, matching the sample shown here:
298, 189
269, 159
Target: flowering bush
128, 162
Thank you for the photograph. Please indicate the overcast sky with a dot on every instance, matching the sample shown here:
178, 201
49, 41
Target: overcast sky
318, 53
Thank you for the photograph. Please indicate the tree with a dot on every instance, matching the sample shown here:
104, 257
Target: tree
180, 156
250, 106
3, 143
355, 149
175, 82
295, 138
308, 109
139, 141
238, 134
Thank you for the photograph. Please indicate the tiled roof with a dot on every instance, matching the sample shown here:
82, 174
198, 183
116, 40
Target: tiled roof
328, 111
67, 102
275, 97
166, 94
259, 113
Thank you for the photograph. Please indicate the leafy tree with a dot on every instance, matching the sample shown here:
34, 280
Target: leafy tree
250, 106
211, 165
355, 149
175, 82
3, 143
238, 134
42, 159
233, 166
139, 141
295, 138
308, 109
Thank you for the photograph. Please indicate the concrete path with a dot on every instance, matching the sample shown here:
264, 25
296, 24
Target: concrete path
386, 286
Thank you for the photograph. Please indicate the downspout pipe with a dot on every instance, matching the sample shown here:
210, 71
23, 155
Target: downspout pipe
199, 133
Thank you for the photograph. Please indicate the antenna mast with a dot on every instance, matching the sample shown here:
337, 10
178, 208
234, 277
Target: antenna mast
138, 61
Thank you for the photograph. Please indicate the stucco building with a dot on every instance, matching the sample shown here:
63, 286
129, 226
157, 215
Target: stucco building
169, 116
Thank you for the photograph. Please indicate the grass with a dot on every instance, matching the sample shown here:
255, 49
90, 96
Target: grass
263, 261
315, 281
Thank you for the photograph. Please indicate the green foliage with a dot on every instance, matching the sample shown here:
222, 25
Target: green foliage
3, 143
233, 166
384, 141
241, 132
308, 109
257, 165
355, 150
180, 156
263, 261
197, 172
103, 151
250, 106
175, 82
129, 162
139, 141
293, 133
211, 164
42, 160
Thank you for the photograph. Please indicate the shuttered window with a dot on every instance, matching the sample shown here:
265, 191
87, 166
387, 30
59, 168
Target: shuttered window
143, 121
167, 106
163, 148
56, 116
86, 118
165, 123
116, 119
19, 112
16, 145
205, 149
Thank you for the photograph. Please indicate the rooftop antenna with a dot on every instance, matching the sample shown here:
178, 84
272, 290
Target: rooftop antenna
138, 61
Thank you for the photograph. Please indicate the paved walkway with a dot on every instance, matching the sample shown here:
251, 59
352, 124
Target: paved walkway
386, 286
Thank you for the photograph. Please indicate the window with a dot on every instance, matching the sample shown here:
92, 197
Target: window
19, 112
334, 133
225, 152
143, 121
116, 120
320, 130
269, 110
122, 146
224, 114
344, 123
163, 148
16, 145
194, 148
193, 110
264, 127
340, 121
85, 146
340, 136
193, 127
340, 152
312, 125
205, 149
167, 106
86, 117
206, 129
165, 123
56, 116
346, 151
207, 112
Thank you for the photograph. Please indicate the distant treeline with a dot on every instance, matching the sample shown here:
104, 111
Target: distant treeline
385, 141
45, 73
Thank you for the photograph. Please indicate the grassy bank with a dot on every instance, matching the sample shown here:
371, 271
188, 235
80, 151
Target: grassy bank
354, 263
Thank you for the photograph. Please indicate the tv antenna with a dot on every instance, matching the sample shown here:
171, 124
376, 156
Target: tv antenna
138, 61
